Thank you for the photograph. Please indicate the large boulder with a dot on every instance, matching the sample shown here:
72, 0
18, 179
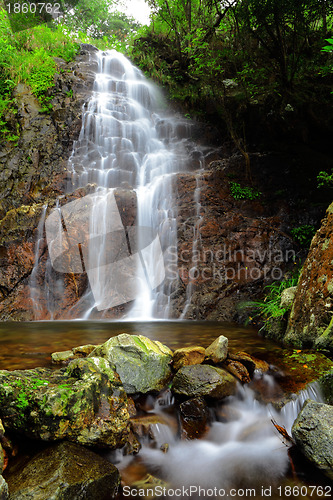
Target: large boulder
64, 471
142, 364
203, 380
313, 433
84, 403
311, 322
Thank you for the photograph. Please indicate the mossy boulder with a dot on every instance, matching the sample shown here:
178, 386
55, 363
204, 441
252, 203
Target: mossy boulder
64, 471
84, 403
203, 380
142, 364
313, 433
310, 322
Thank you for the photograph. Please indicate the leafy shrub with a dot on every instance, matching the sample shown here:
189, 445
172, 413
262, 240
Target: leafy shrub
303, 234
328, 48
269, 308
27, 57
243, 193
325, 179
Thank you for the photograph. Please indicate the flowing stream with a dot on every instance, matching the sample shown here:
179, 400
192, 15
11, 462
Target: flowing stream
241, 454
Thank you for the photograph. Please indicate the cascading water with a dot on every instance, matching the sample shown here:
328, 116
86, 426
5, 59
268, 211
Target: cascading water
126, 145
242, 449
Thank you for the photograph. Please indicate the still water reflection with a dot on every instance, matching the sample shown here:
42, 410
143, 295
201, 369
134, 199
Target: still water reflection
27, 345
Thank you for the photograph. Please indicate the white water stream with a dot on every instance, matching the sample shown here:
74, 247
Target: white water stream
127, 143
240, 451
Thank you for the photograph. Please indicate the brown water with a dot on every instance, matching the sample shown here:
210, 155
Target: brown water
28, 345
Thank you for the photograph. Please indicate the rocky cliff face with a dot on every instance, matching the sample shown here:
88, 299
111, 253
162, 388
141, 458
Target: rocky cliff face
228, 253
228, 249
34, 172
311, 321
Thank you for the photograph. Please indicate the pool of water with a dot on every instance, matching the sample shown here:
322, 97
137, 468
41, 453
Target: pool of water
28, 345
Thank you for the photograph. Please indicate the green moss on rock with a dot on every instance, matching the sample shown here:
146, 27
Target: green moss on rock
85, 403
142, 364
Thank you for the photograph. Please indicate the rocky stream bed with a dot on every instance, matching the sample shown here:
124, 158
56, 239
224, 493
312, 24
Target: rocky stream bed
60, 424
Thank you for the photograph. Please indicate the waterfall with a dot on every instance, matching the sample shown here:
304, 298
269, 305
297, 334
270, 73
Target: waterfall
33, 280
124, 235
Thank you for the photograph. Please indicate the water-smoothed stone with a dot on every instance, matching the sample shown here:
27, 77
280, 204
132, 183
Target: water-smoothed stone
313, 433
64, 471
238, 370
84, 403
142, 364
3, 489
2, 453
186, 356
218, 350
250, 362
84, 350
203, 380
62, 357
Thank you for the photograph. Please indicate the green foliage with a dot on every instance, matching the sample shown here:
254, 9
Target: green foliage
285, 30
328, 48
243, 193
325, 179
269, 308
94, 19
303, 234
27, 57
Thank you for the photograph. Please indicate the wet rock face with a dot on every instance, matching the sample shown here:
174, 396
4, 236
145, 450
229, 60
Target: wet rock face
65, 471
238, 249
34, 173
310, 322
313, 433
84, 403
38, 163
